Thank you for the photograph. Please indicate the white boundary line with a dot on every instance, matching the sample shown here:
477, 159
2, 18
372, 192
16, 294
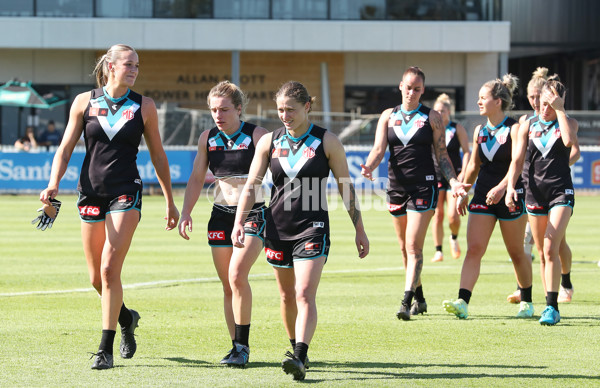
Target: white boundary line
177, 281
216, 279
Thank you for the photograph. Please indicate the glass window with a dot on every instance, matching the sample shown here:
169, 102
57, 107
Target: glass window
358, 9
186, 9
295, 9
432, 9
124, 8
241, 9
16, 8
64, 8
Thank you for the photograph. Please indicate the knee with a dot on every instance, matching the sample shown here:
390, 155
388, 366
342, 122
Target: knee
288, 296
414, 251
237, 280
550, 249
303, 297
110, 273
476, 249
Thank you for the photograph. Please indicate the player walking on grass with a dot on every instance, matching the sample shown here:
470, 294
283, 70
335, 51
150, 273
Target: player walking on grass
456, 138
545, 142
228, 149
534, 91
493, 145
410, 130
113, 119
300, 156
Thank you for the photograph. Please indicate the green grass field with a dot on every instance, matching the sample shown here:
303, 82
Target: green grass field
51, 319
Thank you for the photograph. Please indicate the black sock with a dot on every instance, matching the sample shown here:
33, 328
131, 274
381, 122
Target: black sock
300, 351
408, 297
242, 332
438, 248
552, 299
293, 342
125, 317
107, 341
566, 280
454, 236
526, 294
419, 297
464, 294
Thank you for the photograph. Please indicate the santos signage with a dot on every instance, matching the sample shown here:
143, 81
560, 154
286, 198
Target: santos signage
26, 172
23, 171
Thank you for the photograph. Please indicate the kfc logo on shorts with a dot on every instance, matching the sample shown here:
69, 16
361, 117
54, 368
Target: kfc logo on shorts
477, 206
420, 202
393, 208
251, 224
127, 114
309, 153
274, 255
89, 210
125, 198
216, 235
311, 246
534, 207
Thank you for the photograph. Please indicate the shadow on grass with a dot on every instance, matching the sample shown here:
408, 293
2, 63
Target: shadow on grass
199, 363
370, 370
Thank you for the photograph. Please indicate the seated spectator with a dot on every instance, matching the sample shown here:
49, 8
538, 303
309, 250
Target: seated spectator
28, 141
50, 137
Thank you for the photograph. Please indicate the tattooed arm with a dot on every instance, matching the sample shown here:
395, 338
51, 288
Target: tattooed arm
339, 166
444, 162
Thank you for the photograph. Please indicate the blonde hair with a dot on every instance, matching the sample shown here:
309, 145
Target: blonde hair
231, 91
101, 70
538, 78
297, 91
503, 89
445, 100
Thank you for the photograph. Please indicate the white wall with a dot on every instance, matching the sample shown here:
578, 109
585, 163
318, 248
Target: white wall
255, 35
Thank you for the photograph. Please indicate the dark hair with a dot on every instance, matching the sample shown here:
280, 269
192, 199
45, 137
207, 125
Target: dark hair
554, 82
503, 89
297, 91
50, 122
111, 56
416, 71
231, 91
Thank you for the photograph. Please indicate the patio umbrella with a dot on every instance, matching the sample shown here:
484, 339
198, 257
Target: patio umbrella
24, 95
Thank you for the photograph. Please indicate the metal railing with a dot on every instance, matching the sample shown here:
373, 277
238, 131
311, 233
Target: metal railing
181, 126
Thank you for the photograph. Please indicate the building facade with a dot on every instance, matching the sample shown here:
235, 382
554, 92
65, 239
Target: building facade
349, 53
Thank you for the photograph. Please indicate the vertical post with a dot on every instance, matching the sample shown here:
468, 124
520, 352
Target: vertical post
503, 64
325, 95
235, 67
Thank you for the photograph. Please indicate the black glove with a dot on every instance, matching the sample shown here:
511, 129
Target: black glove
45, 220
